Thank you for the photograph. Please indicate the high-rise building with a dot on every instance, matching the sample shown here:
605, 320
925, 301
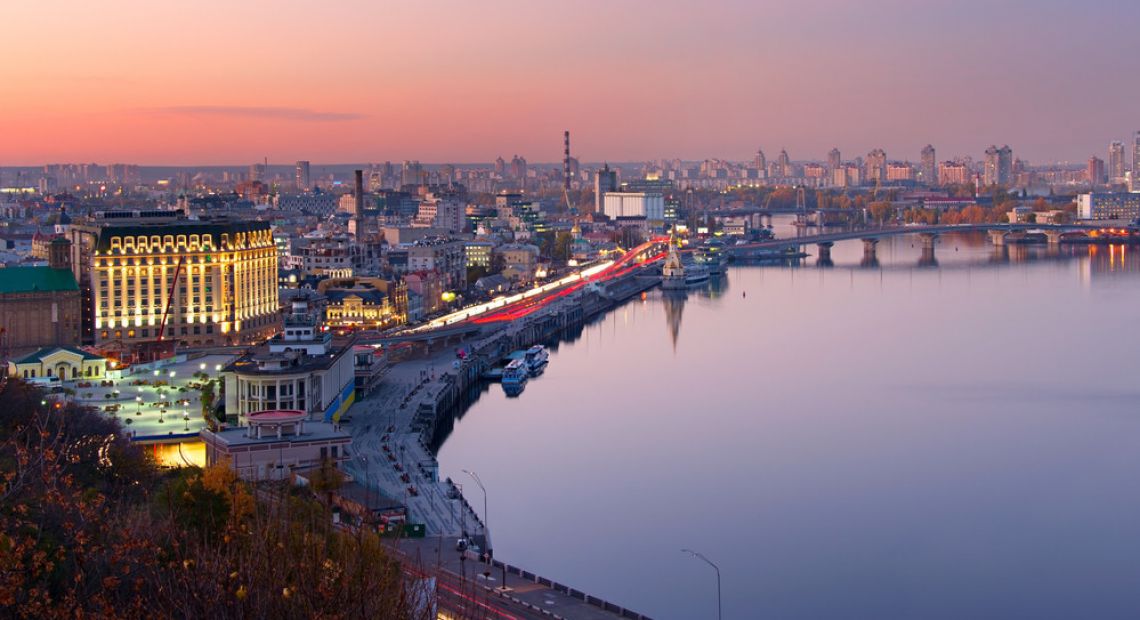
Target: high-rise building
998, 168
1096, 171
257, 172
834, 159
605, 180
214, 283
876, 167
1136, 158
518, 167
301, 177
953, 173
1116, 161
760, 162
928, 168
784, 163
412, 173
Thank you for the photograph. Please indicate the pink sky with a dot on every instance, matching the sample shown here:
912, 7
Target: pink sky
214, 81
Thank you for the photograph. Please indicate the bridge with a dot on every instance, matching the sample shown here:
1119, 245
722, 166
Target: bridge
1054, 234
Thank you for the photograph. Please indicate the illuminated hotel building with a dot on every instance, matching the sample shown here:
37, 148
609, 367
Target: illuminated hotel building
219, 279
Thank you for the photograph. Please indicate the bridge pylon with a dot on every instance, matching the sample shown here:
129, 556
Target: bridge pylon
824, 257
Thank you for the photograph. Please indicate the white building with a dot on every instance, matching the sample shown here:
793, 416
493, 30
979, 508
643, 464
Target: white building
300, 370
275, 444
1108, 206
634, 204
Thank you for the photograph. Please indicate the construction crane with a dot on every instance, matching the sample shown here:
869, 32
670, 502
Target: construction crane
156, 348
170, 298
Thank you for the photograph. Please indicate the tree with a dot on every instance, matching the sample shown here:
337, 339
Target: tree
881, 211
563, 243
207, 398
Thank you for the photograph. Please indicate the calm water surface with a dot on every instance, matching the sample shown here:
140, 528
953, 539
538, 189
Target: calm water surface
893, 442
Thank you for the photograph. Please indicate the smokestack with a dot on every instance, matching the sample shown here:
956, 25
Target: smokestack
359, 193
566, 162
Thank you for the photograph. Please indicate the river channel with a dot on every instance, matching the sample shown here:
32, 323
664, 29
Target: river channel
898, 441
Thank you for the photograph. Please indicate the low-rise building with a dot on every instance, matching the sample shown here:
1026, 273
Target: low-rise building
478, 253
650, 206
275, 444
67, 363
299, 369
520, 260
1108, 206
41, 306
363, 305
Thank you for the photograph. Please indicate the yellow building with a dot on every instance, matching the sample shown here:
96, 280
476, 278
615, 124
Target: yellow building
369, 303
218, 278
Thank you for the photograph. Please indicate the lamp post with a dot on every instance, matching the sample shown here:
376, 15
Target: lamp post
138, 402
701, 557
485, 519
186, 420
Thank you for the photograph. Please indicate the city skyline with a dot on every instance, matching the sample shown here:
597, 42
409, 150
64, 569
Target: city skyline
635, 81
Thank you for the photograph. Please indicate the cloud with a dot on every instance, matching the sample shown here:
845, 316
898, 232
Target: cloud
259, 112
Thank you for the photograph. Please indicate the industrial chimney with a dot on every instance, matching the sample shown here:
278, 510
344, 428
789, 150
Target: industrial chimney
359, 194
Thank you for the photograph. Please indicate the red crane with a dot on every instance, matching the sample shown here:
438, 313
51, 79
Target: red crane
170, 298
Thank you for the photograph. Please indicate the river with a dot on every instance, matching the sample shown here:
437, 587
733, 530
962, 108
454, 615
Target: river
893, 442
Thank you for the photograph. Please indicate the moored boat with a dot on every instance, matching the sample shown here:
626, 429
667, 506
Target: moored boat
536, 359
515, 376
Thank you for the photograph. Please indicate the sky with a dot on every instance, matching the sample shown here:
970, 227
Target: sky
236, 81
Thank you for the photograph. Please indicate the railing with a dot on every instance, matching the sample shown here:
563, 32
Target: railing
567, 590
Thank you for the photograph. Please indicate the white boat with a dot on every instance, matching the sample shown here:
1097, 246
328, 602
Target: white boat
515, 376
712, 256
536, 359
696, 273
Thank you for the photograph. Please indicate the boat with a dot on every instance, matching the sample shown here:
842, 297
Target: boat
713, 257
515, 376
536, 359
696, 273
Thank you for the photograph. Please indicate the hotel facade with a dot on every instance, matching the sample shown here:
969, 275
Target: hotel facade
214, 281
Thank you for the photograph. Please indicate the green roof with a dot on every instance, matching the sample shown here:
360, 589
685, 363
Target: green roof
46, 351
33, 279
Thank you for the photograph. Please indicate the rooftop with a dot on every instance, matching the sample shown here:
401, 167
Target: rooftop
314, 431
38, 356
36, 279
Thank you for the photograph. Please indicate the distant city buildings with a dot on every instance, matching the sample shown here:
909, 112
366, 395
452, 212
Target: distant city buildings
606, 180
998, 167
954, 173
1116, 166
1136, 160
875, 167
1096, 171
302, 180
928, 166
834, 159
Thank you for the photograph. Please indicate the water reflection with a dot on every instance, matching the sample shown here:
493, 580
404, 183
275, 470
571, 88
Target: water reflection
673, 303
846, 443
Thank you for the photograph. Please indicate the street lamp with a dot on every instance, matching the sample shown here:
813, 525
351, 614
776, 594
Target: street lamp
186, 419
716, 568
138, 401
486, 521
